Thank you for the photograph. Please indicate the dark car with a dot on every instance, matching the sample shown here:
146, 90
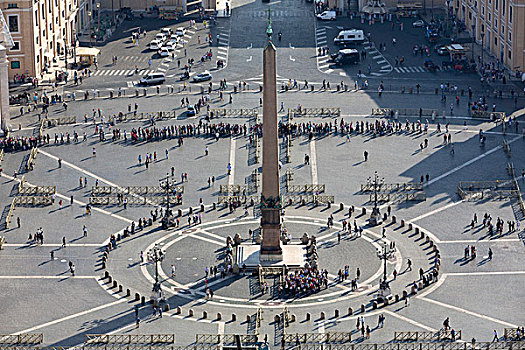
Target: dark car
441, 49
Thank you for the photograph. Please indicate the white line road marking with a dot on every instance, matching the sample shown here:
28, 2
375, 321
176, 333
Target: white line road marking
249, 47
231, 178
207, 240
292, 59
485, 273
382, 61
328, 71
459, 167
67, 318
343, 74
292, 47
249, 59
220, 331
313, 162
386, 67
408, 320
324, 66
17, 245
450, 205
475, 314
477, 241
47, 277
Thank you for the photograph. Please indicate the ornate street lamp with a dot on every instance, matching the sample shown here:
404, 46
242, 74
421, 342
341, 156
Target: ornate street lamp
375, 217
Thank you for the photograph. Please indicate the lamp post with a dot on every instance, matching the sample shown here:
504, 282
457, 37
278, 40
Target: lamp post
384, 254
65, 53
167, 183
473, 39
375, 217
89, 21
98, 15
74, 44
482, 42
157, 256
448, 14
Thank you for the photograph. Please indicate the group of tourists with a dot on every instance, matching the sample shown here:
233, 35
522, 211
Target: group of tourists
304, 281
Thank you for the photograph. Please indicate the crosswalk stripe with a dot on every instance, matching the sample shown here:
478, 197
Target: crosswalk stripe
162, 69
142, 72
328, 71
321, 42
397, 70
221, 57
386, 67
382, 61
324, 66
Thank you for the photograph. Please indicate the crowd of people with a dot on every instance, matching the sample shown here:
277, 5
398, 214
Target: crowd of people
304, 281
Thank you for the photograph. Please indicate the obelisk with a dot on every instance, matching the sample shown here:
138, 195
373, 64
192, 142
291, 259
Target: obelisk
270, 198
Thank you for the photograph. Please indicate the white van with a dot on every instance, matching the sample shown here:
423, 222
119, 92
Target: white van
349, 36
327, 16
153, 78
154, 45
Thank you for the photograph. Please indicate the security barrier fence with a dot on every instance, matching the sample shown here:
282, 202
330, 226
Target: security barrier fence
314, 112
231, 112
21, 339
327, 338
130, 338
500, 345
422, 335
387, 112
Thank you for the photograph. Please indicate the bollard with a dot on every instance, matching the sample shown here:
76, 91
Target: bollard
179, 212
143, 300
178, 311
144, 92
362, 308
204, 315
322, 316
329, 204
248, 319
120, 288
374, 305
431, 243
106, 274
311, 88
427, 240
385, 216
292, 318
103, 264
137, 296
341, 206
214, 206
417, 230
234, 317
190, 210
110, 279
405, 294
402, 223
394, 219
128, 292
410, 227
350, 311
308, 316
396, 298
166, 307
136, 93
190, 312
422, 234
277, 319
202, 208
336, 313
363, 212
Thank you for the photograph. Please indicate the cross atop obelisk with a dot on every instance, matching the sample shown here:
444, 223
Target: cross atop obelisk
270, 198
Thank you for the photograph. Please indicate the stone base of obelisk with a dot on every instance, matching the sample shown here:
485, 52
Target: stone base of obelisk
293, 256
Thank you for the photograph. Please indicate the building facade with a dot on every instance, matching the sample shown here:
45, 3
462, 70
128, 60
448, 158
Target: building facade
499, 25
42, 30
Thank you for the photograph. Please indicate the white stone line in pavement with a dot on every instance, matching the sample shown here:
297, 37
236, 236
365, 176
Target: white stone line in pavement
67, 318
450, 205
74, 201
474, 241
86, 172
408, 320
47, 277
220, 238
20, 245
467, 312
485, 273
220, 331
473, 160
231, 178
313, 162
207, 240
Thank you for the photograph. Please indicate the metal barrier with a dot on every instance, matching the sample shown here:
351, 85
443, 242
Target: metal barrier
237, 199
31, 159
61, 121
232, 188
405, 111
507, 345
130, 338
314, 112
422, 335
23, 338
308, 198
37, 190
135, 200
134, 190
245, 338
488, 115
32, 200
312, 338
1, 155
514, 333
231, 112
258, 320
473, 190
308, 188
406, 186
10, 214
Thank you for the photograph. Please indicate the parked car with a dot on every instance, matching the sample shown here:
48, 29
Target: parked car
190, 111
155, 45
153, 79
167, 31
205, 76
418, 24
174, 38
180, 31
160, 37
169, 45
327, 16
164, 52
441, 49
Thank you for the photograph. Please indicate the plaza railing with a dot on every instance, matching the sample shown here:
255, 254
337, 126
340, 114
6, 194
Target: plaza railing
422, 335
21, 339
130, 338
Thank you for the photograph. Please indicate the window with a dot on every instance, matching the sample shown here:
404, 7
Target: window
15, 64
483, 10
36, 18
37, 40
13, 23
12, 6
16, 46
503, 8
510, 14
490, 18
496, 4
43, 11
510, 54
495, 41
37, 58
495, 23
49, 6
510, 36
502, 30
63, 13
470, 15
